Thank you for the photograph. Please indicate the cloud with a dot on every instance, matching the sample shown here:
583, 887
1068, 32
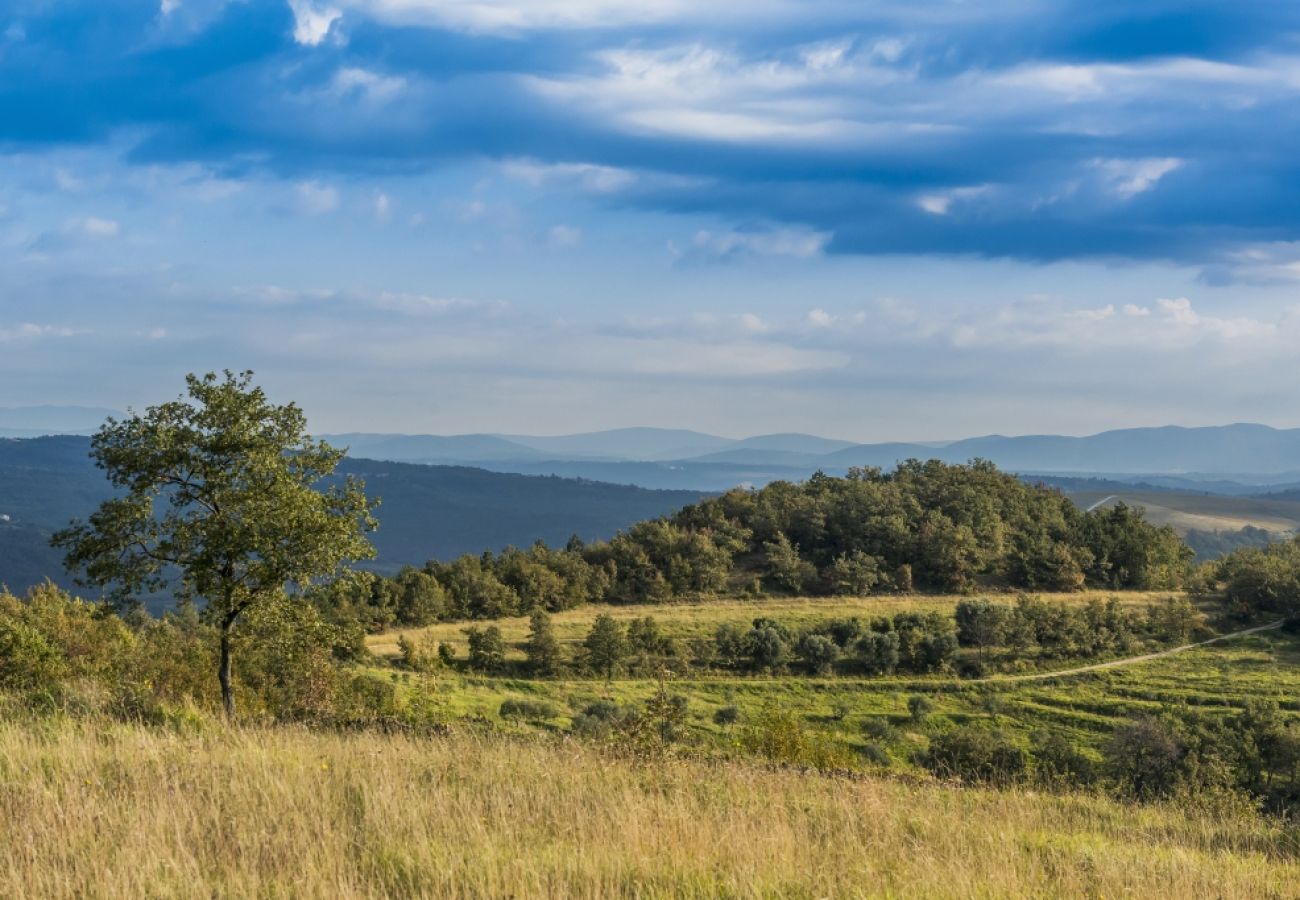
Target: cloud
800, 243
29, 331
315, 199
1129, 177
564, 236
312, 22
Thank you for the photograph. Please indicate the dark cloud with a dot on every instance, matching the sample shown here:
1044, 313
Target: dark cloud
1024, 118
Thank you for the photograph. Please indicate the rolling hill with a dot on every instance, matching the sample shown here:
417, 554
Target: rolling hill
427, 512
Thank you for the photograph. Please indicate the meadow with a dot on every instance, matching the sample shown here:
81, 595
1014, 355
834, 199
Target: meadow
868, 717
114, 810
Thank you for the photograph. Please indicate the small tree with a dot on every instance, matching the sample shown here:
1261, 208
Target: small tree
606, 645
817, 653
220, 496
487, 649
543, 648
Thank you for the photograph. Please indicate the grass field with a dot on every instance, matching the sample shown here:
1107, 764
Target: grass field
1086, 707
96, 810
700, 619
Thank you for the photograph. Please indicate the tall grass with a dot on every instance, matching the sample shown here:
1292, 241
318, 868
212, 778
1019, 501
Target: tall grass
92, 809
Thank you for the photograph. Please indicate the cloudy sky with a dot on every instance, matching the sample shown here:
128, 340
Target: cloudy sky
870, 219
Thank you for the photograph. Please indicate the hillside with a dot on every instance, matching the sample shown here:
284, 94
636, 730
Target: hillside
428, 512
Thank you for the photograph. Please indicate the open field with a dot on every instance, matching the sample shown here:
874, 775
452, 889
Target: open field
122, 811
1203, 512
700, 619
1086, 707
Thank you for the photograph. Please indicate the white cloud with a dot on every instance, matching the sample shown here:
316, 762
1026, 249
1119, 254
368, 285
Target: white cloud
587, 176
94, 226
30, 331
800, 243
1129, 177
315, 198
383, 207
311, 22
354, 81
940, 203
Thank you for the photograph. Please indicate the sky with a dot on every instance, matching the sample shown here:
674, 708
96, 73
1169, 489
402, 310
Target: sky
867, 219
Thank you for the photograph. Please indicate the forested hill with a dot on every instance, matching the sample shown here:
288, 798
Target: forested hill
925, 525
428, 512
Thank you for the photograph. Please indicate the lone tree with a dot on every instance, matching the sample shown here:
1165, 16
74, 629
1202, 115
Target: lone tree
219, 497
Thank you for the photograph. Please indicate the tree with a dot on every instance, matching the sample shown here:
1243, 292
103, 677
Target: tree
817, 653
606, 645
487, 649
221, 496
542, 647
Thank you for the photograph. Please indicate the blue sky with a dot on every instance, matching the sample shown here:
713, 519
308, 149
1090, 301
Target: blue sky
870, 220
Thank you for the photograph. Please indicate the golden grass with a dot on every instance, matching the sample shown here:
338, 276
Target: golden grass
96, 810
702, 617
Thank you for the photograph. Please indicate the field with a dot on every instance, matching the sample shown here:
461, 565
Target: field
854, 711
123, 811
686, 621
1202, 512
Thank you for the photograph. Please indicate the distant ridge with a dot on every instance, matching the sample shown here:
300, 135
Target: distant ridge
657, 457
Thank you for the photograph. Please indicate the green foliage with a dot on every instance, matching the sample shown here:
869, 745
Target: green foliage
976, 754
919, 707
605, 646
1263, 579
726, 716
545, 656
528, 710
221, 494
817, 653
487, 649
27, 659
780, 736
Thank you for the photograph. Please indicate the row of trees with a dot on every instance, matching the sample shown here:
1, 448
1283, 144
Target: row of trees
989, 633
926, 526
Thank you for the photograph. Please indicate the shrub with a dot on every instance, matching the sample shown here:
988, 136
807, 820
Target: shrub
877, 653
1143, 758
487, 649
780, 736
879, 729
528, 710
28, 661
817, 653
1058, 762
876, 755
919, 707
977, 755
726, 716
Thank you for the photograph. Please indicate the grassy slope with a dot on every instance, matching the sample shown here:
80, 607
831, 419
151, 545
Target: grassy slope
116, 811
1218, 678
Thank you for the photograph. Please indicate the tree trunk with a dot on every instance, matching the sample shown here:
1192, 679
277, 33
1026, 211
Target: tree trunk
227, 691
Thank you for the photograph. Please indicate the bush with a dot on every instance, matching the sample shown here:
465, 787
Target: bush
528, 710
877, 653
876, 755
780, 736
28, 661
817, 653
1058, 762
879, 729
976, 754
919, 707
1143, 758
726, 716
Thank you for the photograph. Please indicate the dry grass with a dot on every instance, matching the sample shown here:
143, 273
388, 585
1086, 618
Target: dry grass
701, 618
114, 811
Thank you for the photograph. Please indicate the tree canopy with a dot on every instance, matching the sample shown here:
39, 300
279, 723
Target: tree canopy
219, 499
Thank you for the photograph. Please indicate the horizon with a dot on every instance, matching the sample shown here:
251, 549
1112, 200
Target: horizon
430, 217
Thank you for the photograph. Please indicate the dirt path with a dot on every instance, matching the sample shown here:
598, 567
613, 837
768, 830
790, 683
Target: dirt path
1132, 660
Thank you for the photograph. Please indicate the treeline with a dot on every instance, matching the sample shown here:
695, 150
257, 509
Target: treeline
924, 526
980, 636
1257, 580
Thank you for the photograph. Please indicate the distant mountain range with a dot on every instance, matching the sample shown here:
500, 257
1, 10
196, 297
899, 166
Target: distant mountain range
427, 512
1239, 458
1243, 455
